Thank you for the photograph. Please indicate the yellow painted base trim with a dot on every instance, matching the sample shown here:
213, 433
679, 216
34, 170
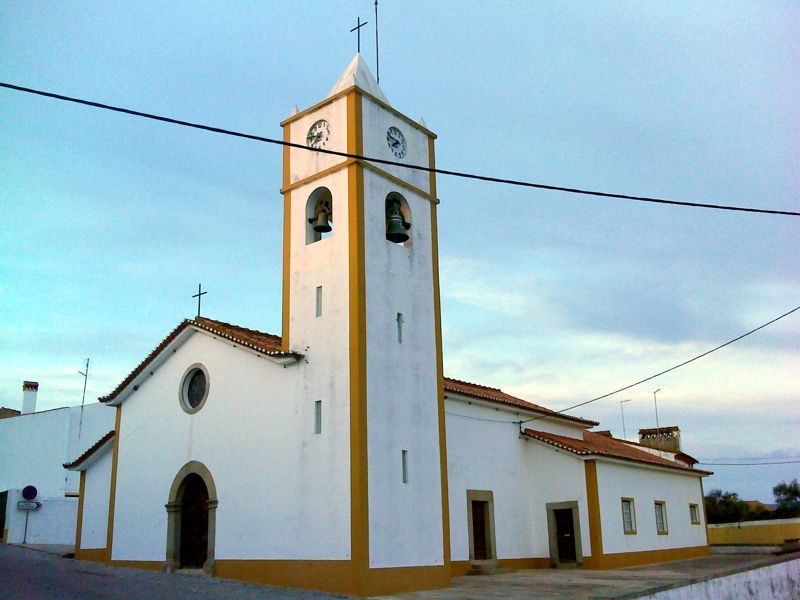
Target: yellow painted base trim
145, 565
5, 536
632, 559
459, 568
334, 576
96, 555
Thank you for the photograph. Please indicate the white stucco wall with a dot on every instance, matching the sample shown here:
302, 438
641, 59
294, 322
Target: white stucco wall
283, 492
405, 519
645, 486
53, 523
33, 449
86, 427
95, 502
486, 454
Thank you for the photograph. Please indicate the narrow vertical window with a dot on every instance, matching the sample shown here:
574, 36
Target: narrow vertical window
319, 300
628, 516
318, 416
661, 517
694, 514
399, 328
405, 466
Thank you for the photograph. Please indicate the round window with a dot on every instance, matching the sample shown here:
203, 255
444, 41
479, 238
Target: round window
194, 388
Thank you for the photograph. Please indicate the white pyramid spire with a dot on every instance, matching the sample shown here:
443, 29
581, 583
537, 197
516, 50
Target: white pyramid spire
358, 73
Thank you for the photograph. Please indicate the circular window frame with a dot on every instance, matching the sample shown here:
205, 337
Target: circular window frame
184, 388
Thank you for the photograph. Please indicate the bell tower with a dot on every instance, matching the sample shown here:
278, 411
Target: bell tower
361, 300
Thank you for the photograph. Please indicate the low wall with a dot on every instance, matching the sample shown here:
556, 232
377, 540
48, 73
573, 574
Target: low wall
754, 533
774, 582
53, 523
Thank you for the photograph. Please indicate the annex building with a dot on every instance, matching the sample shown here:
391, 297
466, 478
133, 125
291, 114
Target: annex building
338, 456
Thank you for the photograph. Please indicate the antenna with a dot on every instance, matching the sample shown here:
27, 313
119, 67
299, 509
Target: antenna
83, 399
377, 61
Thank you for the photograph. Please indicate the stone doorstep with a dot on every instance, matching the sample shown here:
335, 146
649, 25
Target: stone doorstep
193, 572
487, 567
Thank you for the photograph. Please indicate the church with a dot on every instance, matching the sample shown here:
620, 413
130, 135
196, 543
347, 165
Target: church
337, 456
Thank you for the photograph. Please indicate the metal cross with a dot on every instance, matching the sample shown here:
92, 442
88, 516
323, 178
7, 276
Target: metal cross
198, 295
358, 29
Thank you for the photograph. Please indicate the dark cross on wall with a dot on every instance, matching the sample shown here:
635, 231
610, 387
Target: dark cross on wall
357, 29
200, 293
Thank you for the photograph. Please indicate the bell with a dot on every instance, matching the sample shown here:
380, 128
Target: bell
321, 224
396, 227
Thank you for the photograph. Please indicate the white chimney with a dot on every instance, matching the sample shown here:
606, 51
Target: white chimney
29, 391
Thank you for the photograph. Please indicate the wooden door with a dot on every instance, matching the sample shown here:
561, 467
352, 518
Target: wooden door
479, 530
194, 523
565, 534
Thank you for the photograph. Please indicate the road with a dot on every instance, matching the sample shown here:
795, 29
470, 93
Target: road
30, 575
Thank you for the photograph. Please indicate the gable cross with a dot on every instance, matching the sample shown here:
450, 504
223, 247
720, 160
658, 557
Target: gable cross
199, 295
357, 29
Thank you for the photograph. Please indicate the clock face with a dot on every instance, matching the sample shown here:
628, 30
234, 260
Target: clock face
396, 141
318, 134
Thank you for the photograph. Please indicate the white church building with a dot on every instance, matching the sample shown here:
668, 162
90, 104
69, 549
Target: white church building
337, 456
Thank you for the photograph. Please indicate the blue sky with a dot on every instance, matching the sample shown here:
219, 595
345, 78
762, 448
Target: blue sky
110, 221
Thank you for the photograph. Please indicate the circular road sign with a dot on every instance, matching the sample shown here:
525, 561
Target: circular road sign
29, 492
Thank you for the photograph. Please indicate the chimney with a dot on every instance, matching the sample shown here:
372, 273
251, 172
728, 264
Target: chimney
663, 438
29, 391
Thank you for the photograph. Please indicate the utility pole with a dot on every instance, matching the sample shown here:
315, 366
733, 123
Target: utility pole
622, 412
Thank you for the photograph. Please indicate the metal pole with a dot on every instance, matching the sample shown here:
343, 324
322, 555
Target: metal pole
655, 401
25, 535
377, 60
622, 412
83, 399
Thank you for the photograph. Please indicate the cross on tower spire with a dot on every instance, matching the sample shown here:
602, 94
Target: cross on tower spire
357, 29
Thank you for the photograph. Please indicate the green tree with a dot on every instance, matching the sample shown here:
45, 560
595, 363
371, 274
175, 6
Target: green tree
787, 497
725, 507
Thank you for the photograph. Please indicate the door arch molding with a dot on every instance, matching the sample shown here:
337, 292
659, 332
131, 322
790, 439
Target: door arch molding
174, 508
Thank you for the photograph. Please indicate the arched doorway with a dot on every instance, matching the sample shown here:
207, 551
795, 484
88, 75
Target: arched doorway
191, 519
194, 523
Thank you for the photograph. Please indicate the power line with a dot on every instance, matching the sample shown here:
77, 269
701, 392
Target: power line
515, 182
686, 362
754, 458
481, 418
754, 464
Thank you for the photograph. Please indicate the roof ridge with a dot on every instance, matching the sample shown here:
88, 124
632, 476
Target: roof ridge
486, 387
226, 324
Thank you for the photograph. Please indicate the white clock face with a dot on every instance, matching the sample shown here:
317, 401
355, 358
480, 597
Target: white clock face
396, 141
318, 134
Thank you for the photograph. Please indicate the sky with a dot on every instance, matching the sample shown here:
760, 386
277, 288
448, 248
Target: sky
110, 222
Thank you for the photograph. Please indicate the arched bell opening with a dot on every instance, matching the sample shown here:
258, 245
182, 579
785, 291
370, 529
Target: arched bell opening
398, 220
191, 519
319, 215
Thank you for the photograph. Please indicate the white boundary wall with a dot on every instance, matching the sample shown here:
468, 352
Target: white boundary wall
773, 582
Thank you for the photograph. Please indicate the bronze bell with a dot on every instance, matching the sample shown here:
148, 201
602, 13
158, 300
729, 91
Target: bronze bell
321, 221
396, 226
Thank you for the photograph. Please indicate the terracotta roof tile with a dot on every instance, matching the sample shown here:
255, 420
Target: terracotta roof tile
256, 340
600, 445
496, 395
94, 448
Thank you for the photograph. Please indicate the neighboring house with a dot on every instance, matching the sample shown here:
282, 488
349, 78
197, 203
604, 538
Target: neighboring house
338, 456
33, 446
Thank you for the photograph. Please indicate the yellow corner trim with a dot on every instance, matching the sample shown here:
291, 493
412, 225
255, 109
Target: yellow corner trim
112, 494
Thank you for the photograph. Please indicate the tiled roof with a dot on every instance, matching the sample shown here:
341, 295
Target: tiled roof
496, 395
264, 343
600, 445
94, 448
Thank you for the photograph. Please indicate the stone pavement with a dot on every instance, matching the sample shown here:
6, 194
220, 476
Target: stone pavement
577, 584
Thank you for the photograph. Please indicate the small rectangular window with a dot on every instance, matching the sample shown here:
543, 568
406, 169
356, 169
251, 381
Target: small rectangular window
318, 416
628, 516
405, 466
319, 300
694, 514
399, 328
661, 517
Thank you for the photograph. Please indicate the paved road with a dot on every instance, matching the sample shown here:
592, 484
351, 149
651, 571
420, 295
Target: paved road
30, 575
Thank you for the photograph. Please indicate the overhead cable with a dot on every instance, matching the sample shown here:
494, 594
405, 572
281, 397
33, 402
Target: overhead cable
514, 182
684, 363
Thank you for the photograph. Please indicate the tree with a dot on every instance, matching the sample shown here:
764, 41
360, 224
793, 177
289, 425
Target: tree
724, 507
787, 497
